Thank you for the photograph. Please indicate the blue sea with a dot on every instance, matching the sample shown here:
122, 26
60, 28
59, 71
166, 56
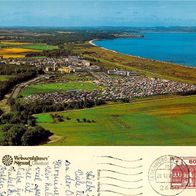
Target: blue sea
177, 48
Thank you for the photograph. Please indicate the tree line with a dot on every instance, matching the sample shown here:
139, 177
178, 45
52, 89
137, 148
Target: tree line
43, 106
55, 38
20, 73
19, 128
6, 86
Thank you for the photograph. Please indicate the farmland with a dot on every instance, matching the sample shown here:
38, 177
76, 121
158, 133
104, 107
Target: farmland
151, 121
54, 87
15, 52
5, 78
11, 49
40, 47
12, 43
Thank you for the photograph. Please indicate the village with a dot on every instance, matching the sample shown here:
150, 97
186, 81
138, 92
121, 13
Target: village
117, 84
116, 89
68, 64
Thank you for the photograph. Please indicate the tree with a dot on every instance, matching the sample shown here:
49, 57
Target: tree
6, 117
34, 136
6, 127
13, 136
68, 118
1, 112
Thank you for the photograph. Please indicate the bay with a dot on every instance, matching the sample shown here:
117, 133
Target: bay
179, 48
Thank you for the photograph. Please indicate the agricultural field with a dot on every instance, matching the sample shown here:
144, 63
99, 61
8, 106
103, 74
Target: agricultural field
54, 87
15, 52
150, 121
4, 78
13, 49
12, 43
40, 47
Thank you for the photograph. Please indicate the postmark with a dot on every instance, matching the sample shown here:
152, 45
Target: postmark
169, 175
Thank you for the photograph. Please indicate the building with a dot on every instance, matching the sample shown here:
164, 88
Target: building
66, 70
48, 69
86, 63
121, 73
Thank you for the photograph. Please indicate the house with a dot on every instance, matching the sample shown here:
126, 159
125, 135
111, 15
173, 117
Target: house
66, 70
121, 72
48, 69
86, 63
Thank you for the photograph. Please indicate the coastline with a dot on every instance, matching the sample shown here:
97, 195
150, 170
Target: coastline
154, 60
91, 42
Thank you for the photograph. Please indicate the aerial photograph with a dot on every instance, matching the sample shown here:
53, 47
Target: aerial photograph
97, 73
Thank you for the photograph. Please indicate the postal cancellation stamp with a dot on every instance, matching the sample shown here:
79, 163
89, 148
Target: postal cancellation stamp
171, 175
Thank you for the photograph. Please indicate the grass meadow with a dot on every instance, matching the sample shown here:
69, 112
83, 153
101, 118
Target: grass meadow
11, 49
150, 121
54, 87
5, 78
40, 47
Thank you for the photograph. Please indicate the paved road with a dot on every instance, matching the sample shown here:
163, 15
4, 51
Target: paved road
4, 103
17, 89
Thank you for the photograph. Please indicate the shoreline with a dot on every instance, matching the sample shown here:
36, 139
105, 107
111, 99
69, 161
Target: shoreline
165, 62
91, 42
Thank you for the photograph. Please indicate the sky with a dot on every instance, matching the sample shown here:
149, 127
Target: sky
97, 13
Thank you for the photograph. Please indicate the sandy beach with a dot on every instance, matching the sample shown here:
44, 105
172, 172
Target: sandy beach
91, 42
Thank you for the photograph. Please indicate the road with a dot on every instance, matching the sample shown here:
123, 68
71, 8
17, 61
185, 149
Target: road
4, 103
17, 89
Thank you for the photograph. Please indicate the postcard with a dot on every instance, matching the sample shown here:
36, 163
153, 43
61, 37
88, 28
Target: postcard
97, 98
100, 171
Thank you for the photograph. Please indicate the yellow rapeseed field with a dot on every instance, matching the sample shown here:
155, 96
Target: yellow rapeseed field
6, 56
15, 52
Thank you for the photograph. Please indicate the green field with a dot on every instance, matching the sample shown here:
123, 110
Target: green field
5, 77
54, 87
39, 47
154, 121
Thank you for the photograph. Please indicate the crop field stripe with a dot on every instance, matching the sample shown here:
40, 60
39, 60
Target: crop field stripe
40, 47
